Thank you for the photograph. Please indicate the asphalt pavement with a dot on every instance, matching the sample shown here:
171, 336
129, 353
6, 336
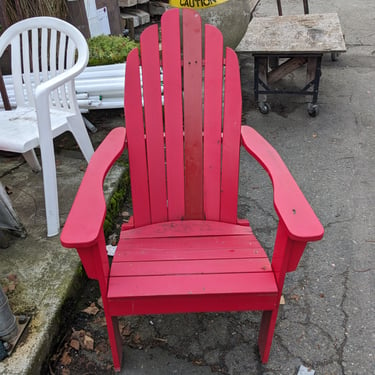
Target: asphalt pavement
327, 322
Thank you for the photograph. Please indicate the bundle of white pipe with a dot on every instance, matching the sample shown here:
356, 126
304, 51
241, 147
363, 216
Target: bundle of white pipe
97, 87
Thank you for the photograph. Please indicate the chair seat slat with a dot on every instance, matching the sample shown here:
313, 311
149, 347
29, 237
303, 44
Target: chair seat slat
185, 285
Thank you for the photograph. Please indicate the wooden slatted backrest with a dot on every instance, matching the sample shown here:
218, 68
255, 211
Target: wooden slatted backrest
183, 147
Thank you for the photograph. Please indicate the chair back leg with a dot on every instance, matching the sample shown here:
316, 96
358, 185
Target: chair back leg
32, 160
79, 131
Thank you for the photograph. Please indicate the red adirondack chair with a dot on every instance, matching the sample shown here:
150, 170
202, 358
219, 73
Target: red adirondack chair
186, 250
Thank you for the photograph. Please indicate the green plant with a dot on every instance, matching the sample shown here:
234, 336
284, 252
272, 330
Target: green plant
109, 49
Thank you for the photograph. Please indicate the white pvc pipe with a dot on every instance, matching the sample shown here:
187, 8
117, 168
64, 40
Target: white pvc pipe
97, 87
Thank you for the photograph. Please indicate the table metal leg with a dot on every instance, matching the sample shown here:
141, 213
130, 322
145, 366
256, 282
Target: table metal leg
313, 73
260, 79
265, 77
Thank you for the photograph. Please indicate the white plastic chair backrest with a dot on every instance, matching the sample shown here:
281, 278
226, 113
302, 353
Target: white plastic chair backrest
42, 48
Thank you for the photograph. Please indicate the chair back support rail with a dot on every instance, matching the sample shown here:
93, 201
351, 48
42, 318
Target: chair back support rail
185, 250
40, 51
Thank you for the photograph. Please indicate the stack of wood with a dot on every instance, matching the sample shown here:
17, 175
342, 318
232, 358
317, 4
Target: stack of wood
135, 13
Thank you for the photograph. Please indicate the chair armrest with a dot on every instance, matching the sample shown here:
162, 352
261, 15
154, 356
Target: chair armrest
44, 89
85, 220
290, 203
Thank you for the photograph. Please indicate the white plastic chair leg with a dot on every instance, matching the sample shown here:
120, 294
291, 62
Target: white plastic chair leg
78, 129
50, 187
32, 160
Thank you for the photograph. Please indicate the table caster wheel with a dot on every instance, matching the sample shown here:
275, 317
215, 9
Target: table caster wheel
312, 109
264, 107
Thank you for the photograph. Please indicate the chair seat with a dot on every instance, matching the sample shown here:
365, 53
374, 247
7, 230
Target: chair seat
217, 265
19, 128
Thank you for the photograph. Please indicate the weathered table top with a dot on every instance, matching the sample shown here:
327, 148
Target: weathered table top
295, 34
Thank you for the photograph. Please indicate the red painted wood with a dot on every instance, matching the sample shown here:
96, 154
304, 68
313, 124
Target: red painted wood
192, 51
198, 248
192, 303
231, 243
213, 82
164, 264
151, 254
115, 338
170, 285
84, 223
173, 118
266, 330
154, 123
290, 203
231, 139
136, 142
187, 228
296, 252
218, 266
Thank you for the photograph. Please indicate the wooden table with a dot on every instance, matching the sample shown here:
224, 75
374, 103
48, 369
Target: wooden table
296, 40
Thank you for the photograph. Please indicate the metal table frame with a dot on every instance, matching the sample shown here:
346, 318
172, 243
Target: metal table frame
267, 71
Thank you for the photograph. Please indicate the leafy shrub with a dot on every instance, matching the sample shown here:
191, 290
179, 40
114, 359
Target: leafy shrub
109, 49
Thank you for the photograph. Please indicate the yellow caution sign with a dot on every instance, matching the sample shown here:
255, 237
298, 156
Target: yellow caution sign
195, 4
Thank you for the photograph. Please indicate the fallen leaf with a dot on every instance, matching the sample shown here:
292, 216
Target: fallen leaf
78, 334
66, 359
282, 300
126, 330
88, 342
74, 343
295, 297
91, 310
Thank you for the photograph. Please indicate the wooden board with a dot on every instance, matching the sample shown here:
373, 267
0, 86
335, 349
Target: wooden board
294, 34
207, 263
127, 3
113, 15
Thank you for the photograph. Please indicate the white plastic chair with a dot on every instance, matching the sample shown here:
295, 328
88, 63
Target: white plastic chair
46, 54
